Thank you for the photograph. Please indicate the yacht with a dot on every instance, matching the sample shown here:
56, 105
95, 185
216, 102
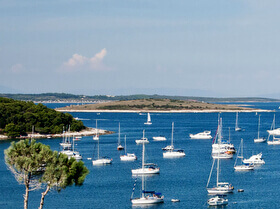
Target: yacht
243, 166
127, 156
143, 140
146, 197
255, 159
202, 135
147, 168
173, 153
159, 138
217, 200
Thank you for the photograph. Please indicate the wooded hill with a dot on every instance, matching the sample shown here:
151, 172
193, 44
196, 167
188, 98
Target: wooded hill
153, 105
80, 98
18, 117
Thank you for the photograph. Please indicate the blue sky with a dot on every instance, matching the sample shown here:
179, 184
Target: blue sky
196, 48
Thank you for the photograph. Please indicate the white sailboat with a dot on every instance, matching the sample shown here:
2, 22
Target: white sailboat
96, 136
237, 128
146, 197
222, 150
127, 156
221, 187
149, 121
242, 166
143, 140
258, 139
147, 168
71, 152
173, 153
273, 132
65, 144
101, 160
120, 147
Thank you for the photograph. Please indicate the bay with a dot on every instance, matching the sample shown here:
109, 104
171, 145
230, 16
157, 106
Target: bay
181, 178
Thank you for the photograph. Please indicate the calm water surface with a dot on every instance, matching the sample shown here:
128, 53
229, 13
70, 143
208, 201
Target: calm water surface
181, 178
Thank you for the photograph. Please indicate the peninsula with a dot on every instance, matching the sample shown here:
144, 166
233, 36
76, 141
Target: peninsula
156, 105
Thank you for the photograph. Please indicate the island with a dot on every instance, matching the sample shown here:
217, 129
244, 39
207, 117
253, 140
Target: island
156, 105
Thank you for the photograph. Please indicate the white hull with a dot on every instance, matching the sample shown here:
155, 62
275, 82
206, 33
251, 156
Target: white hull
277, 142
147, 200
259, 140
274, 132
95, 138
216, 201
243, 168
159, 138
238, 129
141, 141
65, 145
222, 156
140, 171
255, 159
213, 191
173, 154
102, 161
148, 123
202, 135
128, 157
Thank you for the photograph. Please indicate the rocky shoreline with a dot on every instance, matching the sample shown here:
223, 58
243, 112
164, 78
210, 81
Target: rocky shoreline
86, 132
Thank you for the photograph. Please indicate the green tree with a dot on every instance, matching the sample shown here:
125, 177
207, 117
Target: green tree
35, 164
27, 160
62, 172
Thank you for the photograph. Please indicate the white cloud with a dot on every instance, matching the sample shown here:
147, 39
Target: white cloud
17, 68
79, 62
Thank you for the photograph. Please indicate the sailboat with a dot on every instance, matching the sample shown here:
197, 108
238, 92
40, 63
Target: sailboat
237, 128
222, 150
96, 136
101, 160
147, 168
146, 197
143, 140
120, 147
127, 156
262, 139
65, 142
173, 153
274, 132
242, 166
221, 187
149, 121
72, 153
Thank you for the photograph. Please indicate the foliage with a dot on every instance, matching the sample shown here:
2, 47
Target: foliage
18, 117
27, 160
36, 165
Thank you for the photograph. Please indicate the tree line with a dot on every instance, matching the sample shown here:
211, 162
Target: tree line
18, 117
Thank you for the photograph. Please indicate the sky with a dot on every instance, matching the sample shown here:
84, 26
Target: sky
211, 48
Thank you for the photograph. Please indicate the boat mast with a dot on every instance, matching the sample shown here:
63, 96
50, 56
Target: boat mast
219, 143
236, 121
125, 144
259, 127
172, 134
98, 150
119, 139
143, 156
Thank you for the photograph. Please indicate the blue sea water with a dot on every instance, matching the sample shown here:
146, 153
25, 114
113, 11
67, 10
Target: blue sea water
181, 178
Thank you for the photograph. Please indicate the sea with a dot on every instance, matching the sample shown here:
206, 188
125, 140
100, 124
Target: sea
184, 178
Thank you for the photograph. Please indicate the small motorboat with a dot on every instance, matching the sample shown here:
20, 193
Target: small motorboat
175, 200
255, 159
217, 200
